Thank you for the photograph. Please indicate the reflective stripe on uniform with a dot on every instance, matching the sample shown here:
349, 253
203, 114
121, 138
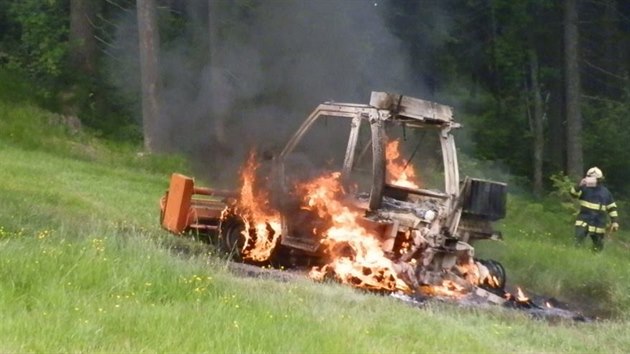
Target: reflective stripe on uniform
612, 210
591, 229
596, 230
592, 206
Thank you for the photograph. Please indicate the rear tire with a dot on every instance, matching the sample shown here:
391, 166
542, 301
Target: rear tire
231, 239
497, 270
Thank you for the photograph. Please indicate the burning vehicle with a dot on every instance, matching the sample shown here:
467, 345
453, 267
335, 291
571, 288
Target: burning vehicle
379, 204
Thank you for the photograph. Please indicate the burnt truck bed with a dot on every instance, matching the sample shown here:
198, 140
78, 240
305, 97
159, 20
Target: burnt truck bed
361, 222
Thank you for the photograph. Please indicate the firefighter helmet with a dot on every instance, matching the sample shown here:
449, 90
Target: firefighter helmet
594, 172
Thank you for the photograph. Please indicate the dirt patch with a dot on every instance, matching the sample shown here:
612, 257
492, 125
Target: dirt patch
252, 271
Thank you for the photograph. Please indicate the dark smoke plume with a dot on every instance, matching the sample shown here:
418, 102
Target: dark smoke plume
271, 63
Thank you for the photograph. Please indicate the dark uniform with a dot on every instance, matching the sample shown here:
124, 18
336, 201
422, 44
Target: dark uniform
595, 203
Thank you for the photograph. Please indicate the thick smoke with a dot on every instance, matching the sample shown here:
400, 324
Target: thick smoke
272, 62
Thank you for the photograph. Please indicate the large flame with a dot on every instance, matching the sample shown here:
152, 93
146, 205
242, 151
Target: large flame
262, 223
400, 172
356, 255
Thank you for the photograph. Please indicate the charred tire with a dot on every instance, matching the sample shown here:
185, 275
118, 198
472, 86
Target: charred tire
231, 240
497, 270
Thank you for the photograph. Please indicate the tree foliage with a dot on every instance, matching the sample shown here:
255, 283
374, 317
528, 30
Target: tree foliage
606, 124
473, 54
36, 37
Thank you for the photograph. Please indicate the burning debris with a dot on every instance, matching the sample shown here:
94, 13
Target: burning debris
541, 308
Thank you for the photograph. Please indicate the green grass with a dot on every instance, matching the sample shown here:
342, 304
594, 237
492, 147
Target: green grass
539, 254
24, 125
105, 289
84, 267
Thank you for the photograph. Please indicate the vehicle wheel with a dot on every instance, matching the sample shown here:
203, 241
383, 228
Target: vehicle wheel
231, 239
497, 270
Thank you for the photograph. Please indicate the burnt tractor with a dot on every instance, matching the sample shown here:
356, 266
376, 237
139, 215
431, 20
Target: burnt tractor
367, 194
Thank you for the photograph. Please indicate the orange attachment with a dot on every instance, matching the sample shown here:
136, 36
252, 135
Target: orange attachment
177, 205
189, 208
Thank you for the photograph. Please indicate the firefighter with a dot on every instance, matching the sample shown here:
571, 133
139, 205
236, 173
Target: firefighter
595, 203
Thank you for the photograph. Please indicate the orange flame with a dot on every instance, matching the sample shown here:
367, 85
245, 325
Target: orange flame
494, 282
399, 171
357, 256
448, 288
475, 276
262, 224
520, 296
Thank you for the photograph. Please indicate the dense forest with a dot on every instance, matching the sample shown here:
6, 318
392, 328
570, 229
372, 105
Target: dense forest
541, 86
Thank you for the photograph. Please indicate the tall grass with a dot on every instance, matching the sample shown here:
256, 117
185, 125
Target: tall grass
540, 255
100, 288
23, 124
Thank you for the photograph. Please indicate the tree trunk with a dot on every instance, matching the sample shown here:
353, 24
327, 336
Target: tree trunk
538, 124
82, 41
149, 41
575, 162
220, 133
611, 60
556, 149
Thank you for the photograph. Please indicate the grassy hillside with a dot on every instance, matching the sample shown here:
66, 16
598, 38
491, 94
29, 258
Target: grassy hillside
538, 251
85, 267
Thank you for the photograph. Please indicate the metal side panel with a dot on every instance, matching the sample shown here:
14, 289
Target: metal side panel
305, 244
412, 107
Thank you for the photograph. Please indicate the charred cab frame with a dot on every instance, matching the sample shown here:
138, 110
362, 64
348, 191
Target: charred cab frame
465, 210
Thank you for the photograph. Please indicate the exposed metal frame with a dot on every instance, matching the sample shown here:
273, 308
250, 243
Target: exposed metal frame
385, 108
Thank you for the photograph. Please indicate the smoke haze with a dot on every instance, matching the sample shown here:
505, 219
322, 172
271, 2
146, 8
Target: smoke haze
272, 62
